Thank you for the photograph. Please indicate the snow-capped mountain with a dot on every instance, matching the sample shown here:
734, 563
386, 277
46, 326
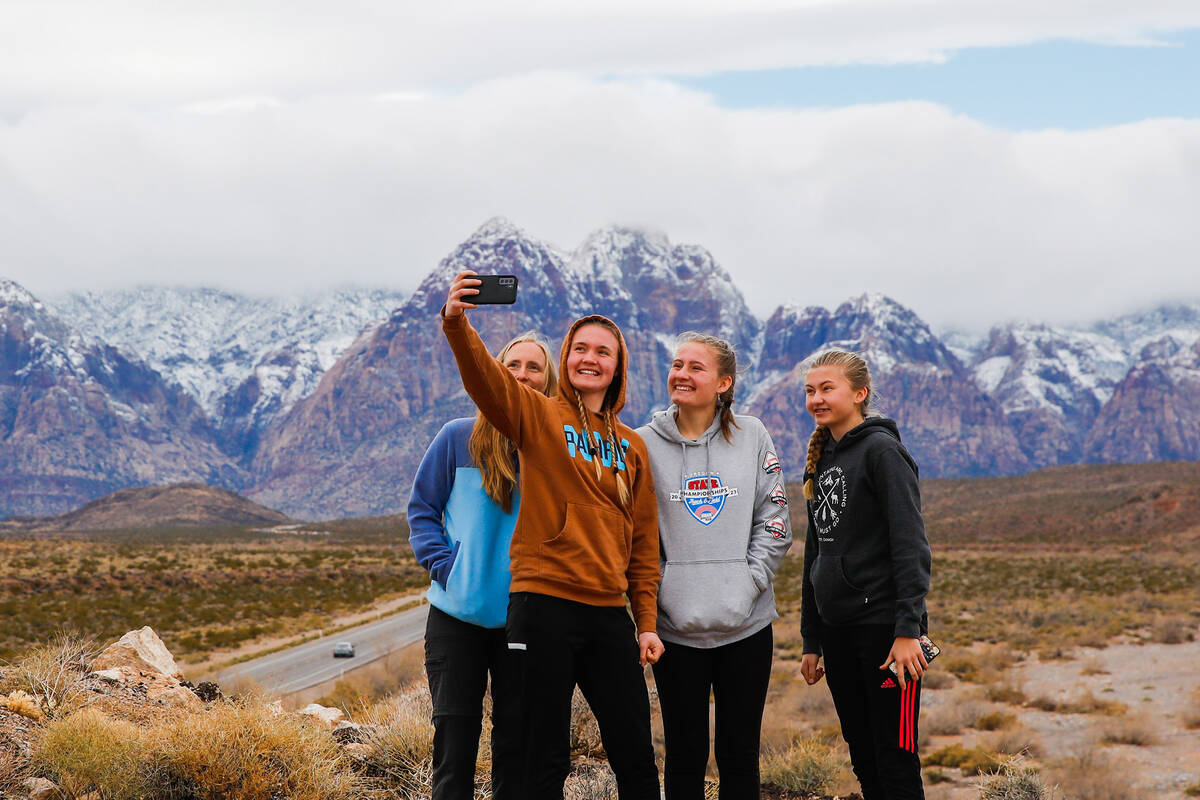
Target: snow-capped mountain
1154, 412
322, 406
1051, 383
246, 360
79, 418
949, 425
355, 442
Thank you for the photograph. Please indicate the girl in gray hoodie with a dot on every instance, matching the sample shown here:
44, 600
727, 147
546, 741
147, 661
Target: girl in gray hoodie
723, 530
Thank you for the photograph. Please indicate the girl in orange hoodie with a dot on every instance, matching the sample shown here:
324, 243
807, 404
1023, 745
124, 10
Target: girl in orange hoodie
586, 538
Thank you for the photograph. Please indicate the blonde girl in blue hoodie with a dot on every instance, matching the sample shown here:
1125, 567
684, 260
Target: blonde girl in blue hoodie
461, 515
723, 529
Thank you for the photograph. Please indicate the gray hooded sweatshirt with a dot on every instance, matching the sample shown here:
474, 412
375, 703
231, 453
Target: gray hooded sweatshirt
722, 527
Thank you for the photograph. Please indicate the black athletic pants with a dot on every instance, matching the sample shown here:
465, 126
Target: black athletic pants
560, 644
879, 722
458, 658
737, 674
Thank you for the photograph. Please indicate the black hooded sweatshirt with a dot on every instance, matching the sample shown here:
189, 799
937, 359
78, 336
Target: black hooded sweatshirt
866, 558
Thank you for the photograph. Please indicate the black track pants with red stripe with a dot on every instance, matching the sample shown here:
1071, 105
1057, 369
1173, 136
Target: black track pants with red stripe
879, 721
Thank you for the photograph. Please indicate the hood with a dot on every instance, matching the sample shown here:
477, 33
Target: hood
869, 426
663, 423
615, 397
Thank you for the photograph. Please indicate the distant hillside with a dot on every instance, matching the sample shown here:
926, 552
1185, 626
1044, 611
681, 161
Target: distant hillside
175, 506
1069, 506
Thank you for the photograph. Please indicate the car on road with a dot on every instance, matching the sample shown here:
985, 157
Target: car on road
343, 650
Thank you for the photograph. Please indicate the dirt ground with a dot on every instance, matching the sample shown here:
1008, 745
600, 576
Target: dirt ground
1154, 681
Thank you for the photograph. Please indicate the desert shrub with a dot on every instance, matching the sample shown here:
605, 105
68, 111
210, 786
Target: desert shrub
805, 765
1093, 666
585, 732
963, 668
244, 751
346, 695
1134, 729
995, 721
937, 679
12, 772
89, 752
1193, 790
1173, 630
936, 776
399, 740
1017, 740
1191, 713
949, 719
53, 673
971, 760
1083, 703
590, 780
1090, 775
1044, 703
1007, 693
1014, 780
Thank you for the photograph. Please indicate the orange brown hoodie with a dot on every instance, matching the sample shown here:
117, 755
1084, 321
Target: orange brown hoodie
573, 538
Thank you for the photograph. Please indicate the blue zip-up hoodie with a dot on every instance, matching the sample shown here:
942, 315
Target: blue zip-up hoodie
460, 534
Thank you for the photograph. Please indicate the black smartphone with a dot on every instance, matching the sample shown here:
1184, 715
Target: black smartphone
495, 290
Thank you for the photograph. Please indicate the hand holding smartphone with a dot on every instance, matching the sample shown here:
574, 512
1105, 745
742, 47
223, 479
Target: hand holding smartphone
469, 290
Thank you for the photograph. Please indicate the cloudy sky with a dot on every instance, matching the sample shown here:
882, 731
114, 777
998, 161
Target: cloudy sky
976, 160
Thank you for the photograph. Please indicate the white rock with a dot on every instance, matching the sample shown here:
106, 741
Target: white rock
139, 650
331, 716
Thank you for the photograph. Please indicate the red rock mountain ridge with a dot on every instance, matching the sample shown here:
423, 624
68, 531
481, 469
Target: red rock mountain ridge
79, 419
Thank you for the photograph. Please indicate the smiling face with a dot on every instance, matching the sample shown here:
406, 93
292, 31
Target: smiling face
693, 381
832, 401
527, 363
592, 362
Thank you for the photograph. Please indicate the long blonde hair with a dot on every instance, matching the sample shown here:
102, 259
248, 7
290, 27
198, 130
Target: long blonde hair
855, 369
490, 449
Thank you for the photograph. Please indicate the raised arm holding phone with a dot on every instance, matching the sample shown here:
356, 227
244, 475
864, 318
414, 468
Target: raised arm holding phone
586, 539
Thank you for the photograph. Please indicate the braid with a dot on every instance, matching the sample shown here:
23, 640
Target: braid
622, 487
587, 433
816, 443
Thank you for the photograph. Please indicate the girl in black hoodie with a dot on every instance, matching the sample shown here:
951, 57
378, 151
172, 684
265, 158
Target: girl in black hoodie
866, 574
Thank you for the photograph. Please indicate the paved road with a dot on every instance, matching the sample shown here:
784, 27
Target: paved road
311, 663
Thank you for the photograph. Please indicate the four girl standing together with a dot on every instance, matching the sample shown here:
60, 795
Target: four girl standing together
537, 541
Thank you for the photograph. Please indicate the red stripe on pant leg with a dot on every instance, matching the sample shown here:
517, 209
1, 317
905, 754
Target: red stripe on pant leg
912, 714
903, 732
906, 728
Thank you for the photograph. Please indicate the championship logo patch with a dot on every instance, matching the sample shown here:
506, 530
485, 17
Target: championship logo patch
770, 464
776, 528
704, 497
779, 496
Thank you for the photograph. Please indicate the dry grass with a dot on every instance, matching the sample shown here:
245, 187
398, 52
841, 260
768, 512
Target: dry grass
590, 780
1015, 780
937, 679
52, 675
1083, 703
1007, 693
951, 718
398, 736
970, 760
1016, 740
1134, 729
1091, 775
1173, 630
12, 772
1093, 666
995, 721
805, 765
226, 751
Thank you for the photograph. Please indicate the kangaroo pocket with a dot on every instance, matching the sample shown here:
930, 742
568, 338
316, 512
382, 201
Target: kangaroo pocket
698, 596
838, 600
590, 551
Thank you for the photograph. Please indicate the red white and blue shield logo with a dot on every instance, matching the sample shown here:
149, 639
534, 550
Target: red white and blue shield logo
702, 498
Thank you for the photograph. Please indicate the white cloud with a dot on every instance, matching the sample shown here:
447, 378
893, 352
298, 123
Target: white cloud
967, 224
157, 51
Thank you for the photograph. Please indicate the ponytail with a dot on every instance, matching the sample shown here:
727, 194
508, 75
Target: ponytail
816, 443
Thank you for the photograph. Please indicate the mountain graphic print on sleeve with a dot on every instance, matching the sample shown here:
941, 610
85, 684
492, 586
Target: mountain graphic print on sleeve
866, 557
723, 528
